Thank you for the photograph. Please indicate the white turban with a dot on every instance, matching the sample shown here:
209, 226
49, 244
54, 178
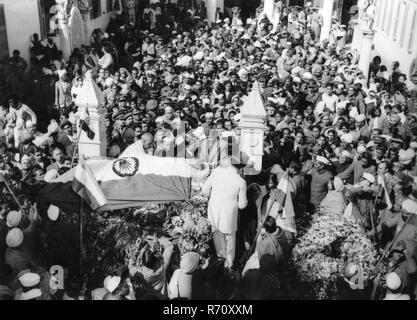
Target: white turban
14, 238
369, 177
393, 281
347, 137
323, 160
61, 73
360, 118
409, 206
53, 213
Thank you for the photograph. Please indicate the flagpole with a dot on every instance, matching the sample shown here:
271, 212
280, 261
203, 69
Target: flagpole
81, 233
373, 215
388, 249
76, 143
80, 221
12, 193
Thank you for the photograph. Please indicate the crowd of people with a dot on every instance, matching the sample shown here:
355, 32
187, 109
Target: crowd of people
346, 138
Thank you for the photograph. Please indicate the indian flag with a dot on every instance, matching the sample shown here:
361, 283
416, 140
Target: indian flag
111, 184
285, 188
124, 182
86, 186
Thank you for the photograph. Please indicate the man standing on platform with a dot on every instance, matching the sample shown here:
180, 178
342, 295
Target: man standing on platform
320, 176
227, 191
316, 23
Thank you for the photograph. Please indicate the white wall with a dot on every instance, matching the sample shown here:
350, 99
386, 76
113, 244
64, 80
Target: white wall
101, 22
389, 47
22, 20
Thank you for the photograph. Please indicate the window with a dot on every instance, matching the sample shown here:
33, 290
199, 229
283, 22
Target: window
42, 21
384, 15
96, 8
390, 18
4, 48
404, 26
397, 17
378, 12
412, 33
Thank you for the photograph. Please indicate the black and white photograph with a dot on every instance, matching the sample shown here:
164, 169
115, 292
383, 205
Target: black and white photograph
221, 152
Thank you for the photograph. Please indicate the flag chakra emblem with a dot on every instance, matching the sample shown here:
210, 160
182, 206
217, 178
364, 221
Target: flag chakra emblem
126, 167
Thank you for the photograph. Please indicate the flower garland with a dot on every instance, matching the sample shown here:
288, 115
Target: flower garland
114, 238
322, 252
189, 227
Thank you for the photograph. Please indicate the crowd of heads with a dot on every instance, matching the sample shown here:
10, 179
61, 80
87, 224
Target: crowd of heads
175, 79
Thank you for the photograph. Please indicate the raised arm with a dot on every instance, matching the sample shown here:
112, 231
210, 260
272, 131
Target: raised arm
206, 188
348, 173
31, 113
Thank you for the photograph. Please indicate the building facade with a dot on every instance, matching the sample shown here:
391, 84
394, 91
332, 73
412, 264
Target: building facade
20, 19
396, 28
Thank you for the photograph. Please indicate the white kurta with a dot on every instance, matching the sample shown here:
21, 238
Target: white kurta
227, 194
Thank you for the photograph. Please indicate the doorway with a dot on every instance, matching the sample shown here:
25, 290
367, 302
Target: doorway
4, 46
45, 14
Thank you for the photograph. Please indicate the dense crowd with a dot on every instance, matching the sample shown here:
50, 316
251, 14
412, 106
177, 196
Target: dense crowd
347, 140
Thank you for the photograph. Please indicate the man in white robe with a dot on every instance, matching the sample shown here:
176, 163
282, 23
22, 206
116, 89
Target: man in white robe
227, 191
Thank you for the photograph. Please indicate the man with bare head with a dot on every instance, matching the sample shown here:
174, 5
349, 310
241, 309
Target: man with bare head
147, 142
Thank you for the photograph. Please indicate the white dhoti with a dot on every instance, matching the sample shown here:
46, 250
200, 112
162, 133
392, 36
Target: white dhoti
225, 245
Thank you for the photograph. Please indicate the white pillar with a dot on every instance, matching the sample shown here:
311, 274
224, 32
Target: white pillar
92, 97
252, 129
269, 8
357, 37
211, 9
366, 53
327, 13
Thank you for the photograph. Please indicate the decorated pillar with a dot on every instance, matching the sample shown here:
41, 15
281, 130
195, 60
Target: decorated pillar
212, 5
269, 9
76, 29
252, 129
357, 37
327, 13
89, 100
367, 14
366, 53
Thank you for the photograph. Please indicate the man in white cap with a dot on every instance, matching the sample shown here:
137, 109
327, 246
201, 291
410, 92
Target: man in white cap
349, 286
63, 242
13, 219
16, 254
358, 167
30, 286
208, 124
361, 127
99, 293
320, 177
18, 110
393, 282
403, 264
